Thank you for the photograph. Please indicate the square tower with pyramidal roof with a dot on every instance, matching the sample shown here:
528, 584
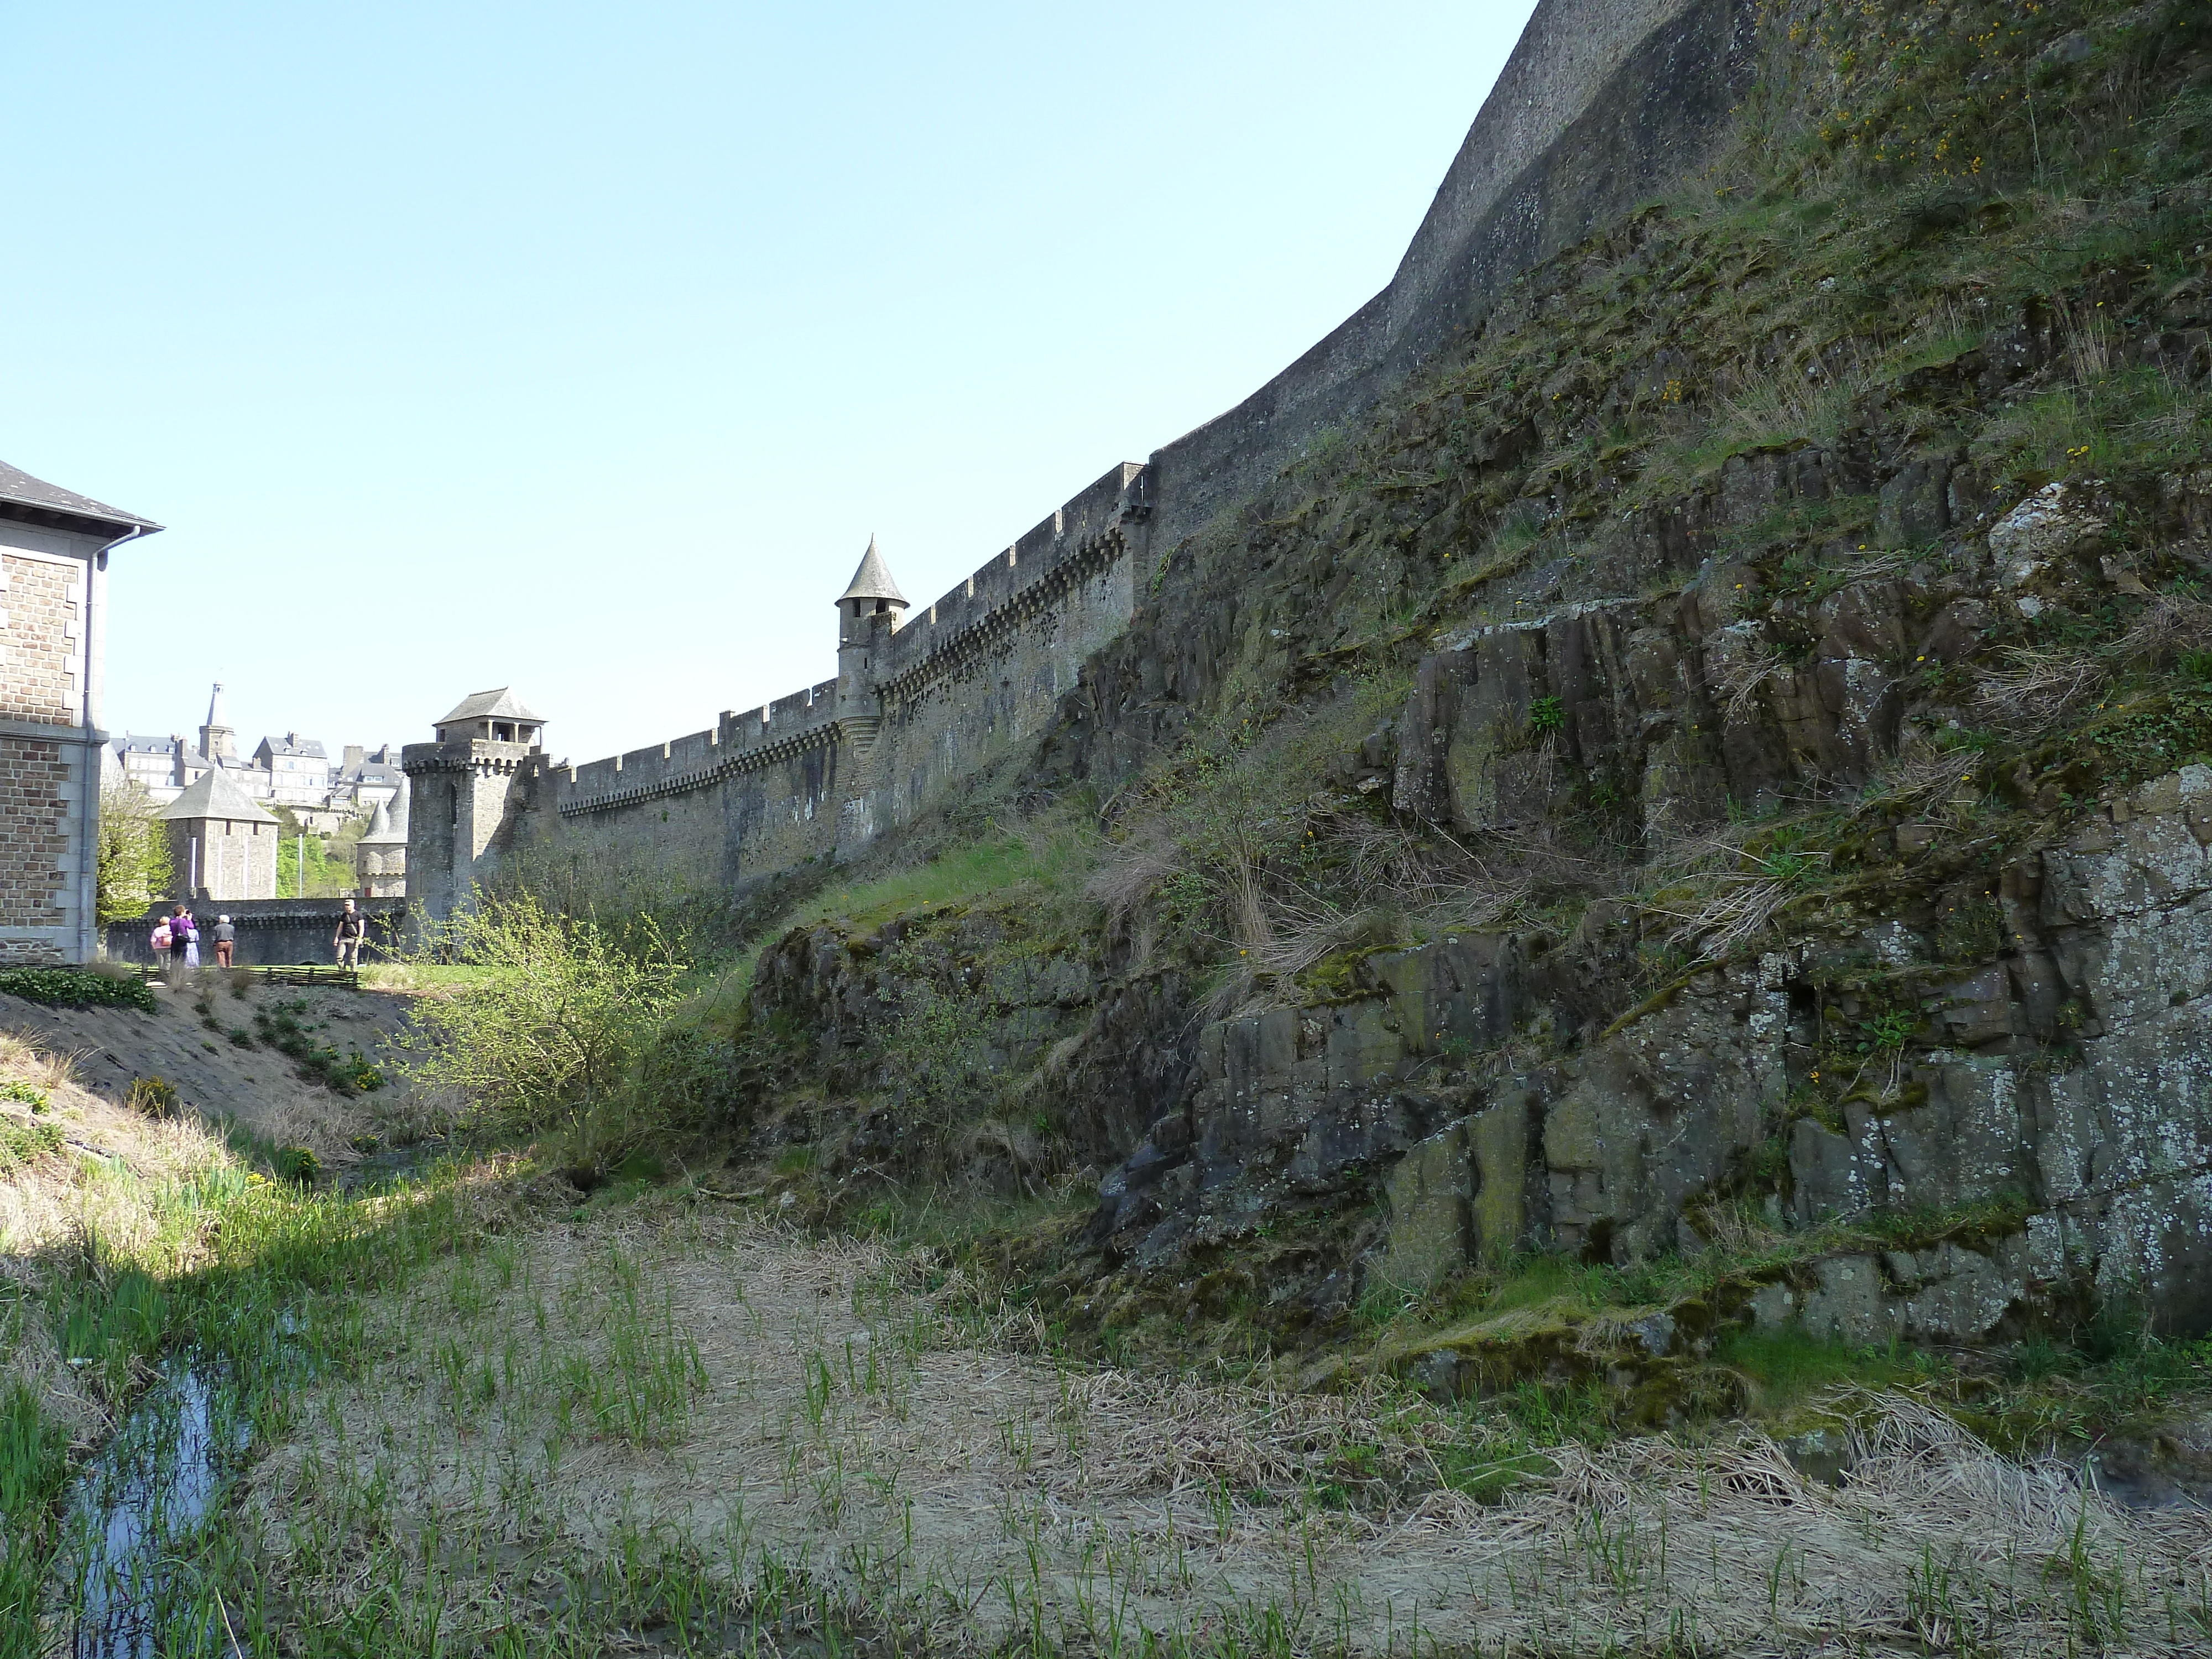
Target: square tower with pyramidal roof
457, 789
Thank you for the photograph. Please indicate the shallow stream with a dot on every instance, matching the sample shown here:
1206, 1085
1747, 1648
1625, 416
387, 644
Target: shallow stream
156, 1483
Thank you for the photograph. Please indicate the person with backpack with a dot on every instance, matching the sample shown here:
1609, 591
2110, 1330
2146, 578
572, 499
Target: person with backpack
351, 926
174, 933
161, 941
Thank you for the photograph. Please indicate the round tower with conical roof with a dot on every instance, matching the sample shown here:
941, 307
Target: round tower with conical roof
867, 612
380, 855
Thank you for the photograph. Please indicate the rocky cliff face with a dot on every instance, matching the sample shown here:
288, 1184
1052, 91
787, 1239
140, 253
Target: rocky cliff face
2054, 1090
1715, 774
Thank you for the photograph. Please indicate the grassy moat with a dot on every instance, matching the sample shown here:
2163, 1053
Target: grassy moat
479, 1408
648, 1269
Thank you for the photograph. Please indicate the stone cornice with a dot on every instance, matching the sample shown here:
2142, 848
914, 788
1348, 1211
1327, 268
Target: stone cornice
754, 759
955, 652
44, 732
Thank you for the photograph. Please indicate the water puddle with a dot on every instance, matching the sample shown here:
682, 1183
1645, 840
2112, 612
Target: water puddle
388, 1166
156, 1483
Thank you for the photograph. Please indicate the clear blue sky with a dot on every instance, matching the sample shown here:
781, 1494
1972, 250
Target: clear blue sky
582, 347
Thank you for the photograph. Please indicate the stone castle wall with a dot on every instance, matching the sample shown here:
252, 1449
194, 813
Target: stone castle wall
1603, 103
271, 932
818, 773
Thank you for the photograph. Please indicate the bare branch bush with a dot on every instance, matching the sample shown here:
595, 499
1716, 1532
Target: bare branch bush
2171, 626
2038, 686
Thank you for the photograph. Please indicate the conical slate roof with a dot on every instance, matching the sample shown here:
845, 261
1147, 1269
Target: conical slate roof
380, 832
214, 704
872, 580
215, 796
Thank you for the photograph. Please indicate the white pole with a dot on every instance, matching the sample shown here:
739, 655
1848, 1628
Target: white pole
192, 880
303, 863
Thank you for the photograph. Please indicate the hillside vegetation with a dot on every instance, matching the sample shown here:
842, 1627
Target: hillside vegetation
1587, 1038
1804, 557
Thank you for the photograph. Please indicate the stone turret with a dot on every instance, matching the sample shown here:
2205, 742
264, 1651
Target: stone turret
217, 740
458, 790
381, 854
867, 612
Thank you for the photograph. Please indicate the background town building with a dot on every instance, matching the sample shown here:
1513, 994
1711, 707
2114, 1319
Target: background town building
54, 545
293, 771
299, 769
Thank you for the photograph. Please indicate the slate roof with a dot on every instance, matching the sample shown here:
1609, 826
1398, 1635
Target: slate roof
380, 832
215, 796
130, 743
500, 703
293, 744
19, 489
872, 580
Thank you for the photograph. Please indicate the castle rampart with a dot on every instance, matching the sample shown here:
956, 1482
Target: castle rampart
920, 701
1603, 103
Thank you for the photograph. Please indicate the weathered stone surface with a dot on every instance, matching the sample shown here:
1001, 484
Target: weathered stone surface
1499, 1140
2060, 1089
1430, 1195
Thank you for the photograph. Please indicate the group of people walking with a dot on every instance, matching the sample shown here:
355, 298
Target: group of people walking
177, 937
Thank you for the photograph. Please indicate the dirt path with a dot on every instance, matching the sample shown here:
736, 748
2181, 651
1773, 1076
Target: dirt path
724, 1391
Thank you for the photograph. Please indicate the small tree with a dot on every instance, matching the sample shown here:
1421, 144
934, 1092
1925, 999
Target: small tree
549, 1034
135, 866
326, 876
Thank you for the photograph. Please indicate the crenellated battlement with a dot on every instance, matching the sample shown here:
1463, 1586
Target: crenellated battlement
1017, 588
922, 699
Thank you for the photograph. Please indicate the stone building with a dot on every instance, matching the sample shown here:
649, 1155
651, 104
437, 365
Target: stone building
299, 769
366, 778
218, 741
290, 771
381, 854
54, 545
223, 843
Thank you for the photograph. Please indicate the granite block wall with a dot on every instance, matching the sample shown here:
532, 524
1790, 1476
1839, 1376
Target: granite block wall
35, 810
49, 758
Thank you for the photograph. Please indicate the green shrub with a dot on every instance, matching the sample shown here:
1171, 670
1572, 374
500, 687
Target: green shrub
552, 1032
297, 1163
23, 1143
28, 1094
154, 1097
135, 865
75, 987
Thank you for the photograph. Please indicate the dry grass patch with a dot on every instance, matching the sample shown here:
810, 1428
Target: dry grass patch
754, 1403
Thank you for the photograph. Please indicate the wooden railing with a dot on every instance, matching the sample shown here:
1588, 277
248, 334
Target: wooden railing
330, 976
